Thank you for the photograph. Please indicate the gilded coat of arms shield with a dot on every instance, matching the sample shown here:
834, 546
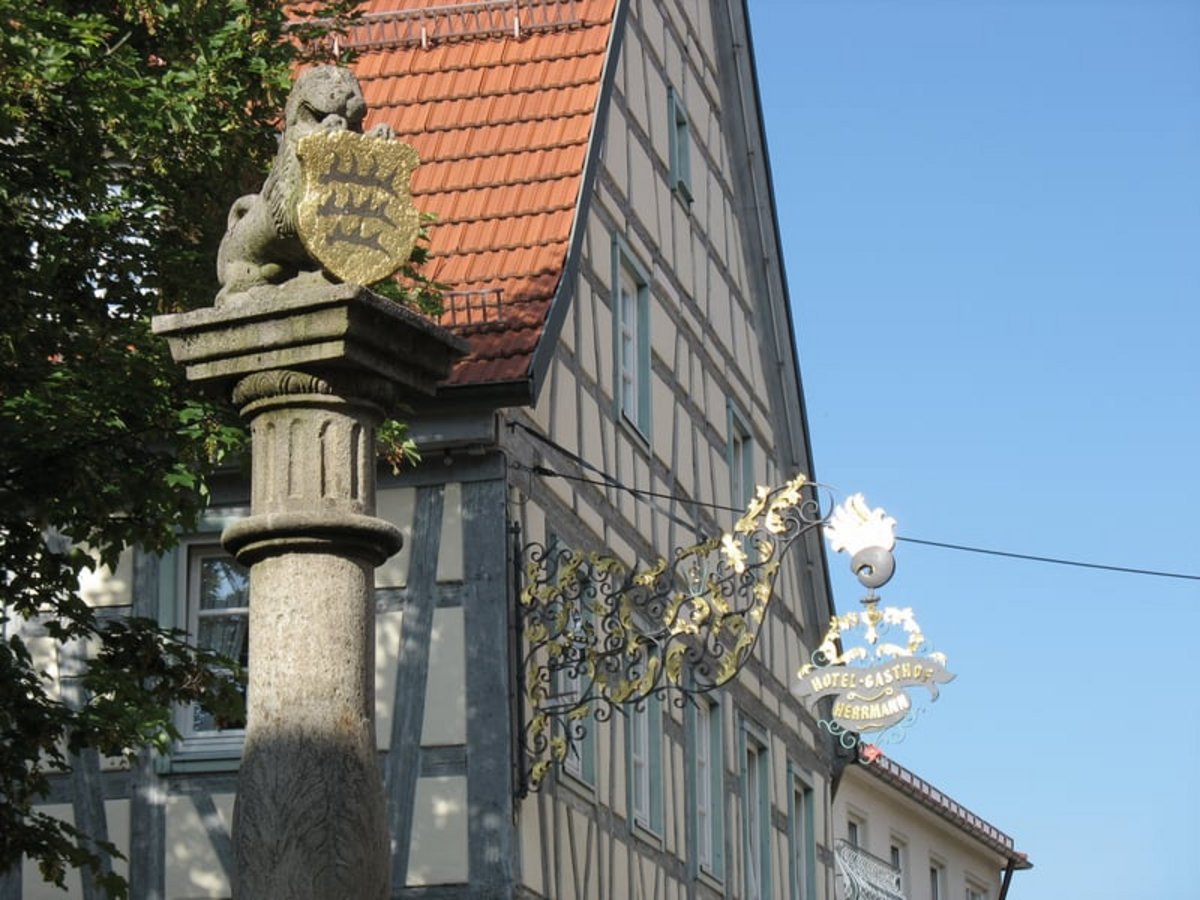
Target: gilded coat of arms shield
356, 214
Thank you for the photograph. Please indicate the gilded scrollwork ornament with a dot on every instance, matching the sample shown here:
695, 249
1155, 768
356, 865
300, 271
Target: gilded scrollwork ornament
600, 637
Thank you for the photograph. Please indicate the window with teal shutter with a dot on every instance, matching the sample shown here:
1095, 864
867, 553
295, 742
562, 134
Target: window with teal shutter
643, 743
801, 838
708, 806
680, 146
631, 339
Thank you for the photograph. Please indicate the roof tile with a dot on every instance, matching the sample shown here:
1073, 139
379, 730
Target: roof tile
502, 126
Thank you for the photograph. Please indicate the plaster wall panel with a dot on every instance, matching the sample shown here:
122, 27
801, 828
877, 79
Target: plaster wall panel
103, 586
568, 337
720, 317
590, 517
531, 847
641, 479
663, 332
396, 506
619, 547
565, 404
616, 148
582, 320
781, 661
116, 814
388, 635
450, 552
662, 225
662, 423
791, 721
584, 855
636, 75
625, 475
715, 210
684, 450
43, 652
543, 413
682, 245
445, 686
561, 488
192, 866
642, 195
673, 63
527, 513
32, 885
653, 25
438, 853
620, 872
591, 424
603, 325
616, 745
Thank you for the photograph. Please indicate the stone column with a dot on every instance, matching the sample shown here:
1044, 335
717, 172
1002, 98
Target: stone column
314, 371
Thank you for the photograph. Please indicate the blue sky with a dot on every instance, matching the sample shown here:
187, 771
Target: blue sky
991, 223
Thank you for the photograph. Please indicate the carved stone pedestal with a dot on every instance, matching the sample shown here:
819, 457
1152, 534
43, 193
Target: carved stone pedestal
314, 371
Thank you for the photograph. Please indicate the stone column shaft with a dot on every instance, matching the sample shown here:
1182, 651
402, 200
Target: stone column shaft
309, 821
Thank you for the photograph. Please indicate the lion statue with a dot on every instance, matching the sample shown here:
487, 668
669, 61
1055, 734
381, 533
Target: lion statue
261, 245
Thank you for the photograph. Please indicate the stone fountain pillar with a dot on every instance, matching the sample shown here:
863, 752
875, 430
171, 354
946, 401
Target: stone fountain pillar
314, 368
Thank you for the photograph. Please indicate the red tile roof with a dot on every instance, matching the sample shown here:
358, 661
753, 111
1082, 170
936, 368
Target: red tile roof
502, 116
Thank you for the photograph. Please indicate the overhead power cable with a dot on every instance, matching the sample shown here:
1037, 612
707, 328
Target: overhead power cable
1051, 559
607, 480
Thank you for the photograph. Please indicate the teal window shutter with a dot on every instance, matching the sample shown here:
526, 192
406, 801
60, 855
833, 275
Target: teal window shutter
680, 147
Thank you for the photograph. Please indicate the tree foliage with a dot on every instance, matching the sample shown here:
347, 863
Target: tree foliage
126, 129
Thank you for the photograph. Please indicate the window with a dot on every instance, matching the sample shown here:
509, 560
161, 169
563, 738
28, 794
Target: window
644, 739
756, 817
680, 147
741, 459
898, 852
216, 599
708, 793
580, 762
937, 881
976, 891
570, 684
801, 840
631, 339
854, 832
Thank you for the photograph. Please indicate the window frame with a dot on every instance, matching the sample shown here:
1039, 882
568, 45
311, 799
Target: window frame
645, 801
937, 880
706, 734
801, 836
679, 142
856, 830
631, 339
739, 455
210, 751
205, 749
898, 857
580, 764
756, 813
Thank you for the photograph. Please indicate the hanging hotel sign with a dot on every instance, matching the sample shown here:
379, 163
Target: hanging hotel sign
875, 680
872, 686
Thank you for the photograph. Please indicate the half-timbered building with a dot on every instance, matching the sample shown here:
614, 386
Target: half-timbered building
606, 231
